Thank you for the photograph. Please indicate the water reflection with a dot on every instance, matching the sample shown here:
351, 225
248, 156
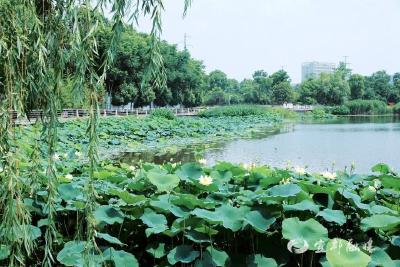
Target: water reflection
364, 140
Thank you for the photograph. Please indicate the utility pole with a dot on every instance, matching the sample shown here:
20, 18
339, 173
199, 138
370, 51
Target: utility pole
185, 41
345, 61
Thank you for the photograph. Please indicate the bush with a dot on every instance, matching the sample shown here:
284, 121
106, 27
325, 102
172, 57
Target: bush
162, 113
285, 113
396, 109
318, 113
340, 110
367, 107
235, 111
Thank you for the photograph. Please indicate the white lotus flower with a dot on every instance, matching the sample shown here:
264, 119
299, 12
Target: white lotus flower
78, 154
299, 170
56, 157
69, 177
286, 181
205, 180
173, 165
132, 168
329, 175
377, 183
203, 161
372, 189
249, 166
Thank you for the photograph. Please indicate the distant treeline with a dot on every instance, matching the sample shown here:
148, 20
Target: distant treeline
188, 84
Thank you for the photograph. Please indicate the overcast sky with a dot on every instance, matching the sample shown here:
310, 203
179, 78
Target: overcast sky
240, 36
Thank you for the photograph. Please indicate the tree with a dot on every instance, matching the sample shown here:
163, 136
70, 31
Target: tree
379, 84
216, 97
279, 77
264, 85
218, 79
357, 86
250, 91
282, 93
328, 89
42, 43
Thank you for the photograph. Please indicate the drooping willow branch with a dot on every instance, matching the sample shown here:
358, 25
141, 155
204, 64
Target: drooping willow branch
41, 41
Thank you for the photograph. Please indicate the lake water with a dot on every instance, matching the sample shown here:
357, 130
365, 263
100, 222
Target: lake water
318, 146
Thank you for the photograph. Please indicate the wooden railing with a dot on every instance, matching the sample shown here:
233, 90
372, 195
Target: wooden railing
66, 114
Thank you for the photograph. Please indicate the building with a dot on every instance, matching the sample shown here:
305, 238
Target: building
314, 69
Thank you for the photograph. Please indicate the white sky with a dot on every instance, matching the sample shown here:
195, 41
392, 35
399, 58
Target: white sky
241, 36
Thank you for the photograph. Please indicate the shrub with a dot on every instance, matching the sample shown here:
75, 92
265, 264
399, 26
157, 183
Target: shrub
285, 113
340, 110
234, 111
367, 107
163, 113
318, 113
396, 109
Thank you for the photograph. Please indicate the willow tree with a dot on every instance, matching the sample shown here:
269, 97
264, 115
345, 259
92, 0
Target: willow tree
39, 41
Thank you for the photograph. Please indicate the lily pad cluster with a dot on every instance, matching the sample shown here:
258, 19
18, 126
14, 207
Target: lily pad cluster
161, 215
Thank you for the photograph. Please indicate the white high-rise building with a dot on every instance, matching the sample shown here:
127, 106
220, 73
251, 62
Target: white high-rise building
314, 69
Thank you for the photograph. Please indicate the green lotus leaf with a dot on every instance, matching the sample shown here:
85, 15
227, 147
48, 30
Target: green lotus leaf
157, 223
221, 177
395, 241
381, 168
198, 237
380, 221
259, 260
190, 172
308, 233
283, 191
302, 206
109, 238
336, 216
4, 252
68, 191
108, 214
259, 220
210, 216
120, 258
128, 197
72, 253
389, 181
183, 253
156, 250
341, 253
380, 258
205, 261
231, 217
191, 201
354, 199
379, 209
219, 257
163, 182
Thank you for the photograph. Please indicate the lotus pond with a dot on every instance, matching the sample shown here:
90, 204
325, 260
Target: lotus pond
191, 214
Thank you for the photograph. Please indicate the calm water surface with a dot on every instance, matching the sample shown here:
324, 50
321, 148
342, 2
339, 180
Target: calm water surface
362, 140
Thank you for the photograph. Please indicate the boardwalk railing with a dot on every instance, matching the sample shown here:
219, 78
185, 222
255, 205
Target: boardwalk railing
298, 108
66, 114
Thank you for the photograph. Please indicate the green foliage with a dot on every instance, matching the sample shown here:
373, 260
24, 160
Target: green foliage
357, 86
205, 225
163, 113
396, 108
236, 110
369, 107
282, 93
340, 110
328, 89
318, 113
340, 253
